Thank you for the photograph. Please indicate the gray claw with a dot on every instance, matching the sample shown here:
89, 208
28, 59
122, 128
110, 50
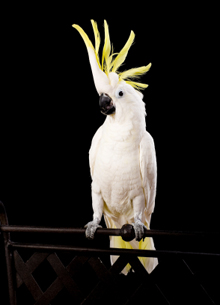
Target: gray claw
91, 228
139, 230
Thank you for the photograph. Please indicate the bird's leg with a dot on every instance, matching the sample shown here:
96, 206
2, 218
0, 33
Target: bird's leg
91, 228
97, 204
138, 206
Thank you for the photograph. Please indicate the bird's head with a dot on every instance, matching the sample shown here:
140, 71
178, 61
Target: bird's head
116, 89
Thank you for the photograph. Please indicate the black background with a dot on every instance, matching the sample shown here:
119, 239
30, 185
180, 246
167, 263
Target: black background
49, 110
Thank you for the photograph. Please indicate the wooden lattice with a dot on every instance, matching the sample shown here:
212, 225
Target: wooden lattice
83, 286
86, 280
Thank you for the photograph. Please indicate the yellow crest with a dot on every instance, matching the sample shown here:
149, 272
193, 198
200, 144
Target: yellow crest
111, 62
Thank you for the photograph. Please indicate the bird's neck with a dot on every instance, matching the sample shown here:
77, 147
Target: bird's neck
126, 126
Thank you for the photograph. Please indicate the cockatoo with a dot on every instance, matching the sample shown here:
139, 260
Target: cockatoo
122, 154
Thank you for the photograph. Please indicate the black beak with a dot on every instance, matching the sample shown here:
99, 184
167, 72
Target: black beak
106, 104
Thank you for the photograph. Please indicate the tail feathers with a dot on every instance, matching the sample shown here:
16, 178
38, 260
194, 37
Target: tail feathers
117, 242
148, 262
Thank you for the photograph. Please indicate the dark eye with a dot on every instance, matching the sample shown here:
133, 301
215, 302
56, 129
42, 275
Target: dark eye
119, 93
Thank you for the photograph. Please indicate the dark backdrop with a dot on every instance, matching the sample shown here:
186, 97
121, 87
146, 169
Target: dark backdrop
49, 111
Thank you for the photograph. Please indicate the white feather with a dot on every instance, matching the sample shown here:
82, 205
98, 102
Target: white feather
123, 167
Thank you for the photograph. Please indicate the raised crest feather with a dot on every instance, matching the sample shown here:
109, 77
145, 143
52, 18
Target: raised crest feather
84, 36
123, 53
106, 59
138, 86
135, 72
111, 62
97, 40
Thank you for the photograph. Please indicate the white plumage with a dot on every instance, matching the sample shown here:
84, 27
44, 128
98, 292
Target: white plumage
122, 161
123, 165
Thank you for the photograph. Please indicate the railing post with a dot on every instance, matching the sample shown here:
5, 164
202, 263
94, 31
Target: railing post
8, 256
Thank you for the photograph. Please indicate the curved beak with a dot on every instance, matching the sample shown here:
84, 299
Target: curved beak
106, 104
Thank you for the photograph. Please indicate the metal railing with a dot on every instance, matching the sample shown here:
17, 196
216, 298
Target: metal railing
22, 271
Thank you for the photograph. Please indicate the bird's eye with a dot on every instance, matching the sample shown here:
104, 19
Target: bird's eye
119, 93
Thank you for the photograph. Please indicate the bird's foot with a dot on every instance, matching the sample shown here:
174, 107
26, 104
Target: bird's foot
91, 228
139, 229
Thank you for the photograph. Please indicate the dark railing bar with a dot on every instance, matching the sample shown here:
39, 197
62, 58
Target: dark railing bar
27, 229
110, 251
103, 231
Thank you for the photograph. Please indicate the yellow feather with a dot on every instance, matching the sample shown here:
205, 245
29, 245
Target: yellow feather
106, 50
138, 86
97, 35
97, 40
108, 64
84, 36
123, 53
145, 244
135, 72
120, 243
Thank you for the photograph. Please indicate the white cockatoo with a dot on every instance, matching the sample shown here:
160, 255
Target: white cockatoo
122, 154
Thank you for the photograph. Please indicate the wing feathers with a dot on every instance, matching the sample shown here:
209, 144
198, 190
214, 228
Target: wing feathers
94, 148
148, 167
